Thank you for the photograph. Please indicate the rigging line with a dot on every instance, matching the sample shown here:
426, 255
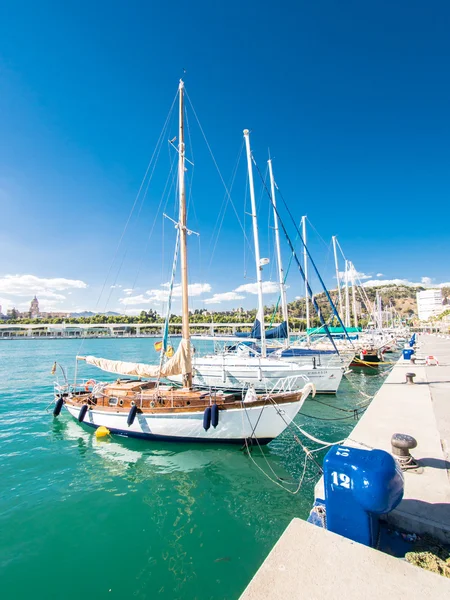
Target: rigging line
333, 307
308, 435
224, 200
139, 192
224, 204
113, 286
305, 449
340, 248
191, 179
356, 414
318, 234
285, 279
132, 209
351, 410
215, 163
170, 177
245, 215
154, 166
249, 454
299, 266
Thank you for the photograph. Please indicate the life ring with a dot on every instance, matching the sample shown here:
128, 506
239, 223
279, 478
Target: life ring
90, 382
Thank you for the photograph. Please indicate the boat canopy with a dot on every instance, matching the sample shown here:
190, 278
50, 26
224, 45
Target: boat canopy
278, 332
321, 330
179, 364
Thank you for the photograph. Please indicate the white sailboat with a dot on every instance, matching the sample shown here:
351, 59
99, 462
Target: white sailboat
145, 407
257, 366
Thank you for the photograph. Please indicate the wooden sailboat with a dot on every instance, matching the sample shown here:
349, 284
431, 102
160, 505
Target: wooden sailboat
145, 407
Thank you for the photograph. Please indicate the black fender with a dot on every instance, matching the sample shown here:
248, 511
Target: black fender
132, 415
58, 406
207, 418
214, 415
82, 414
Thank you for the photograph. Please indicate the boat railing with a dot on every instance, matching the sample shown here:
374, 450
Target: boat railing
289, 384
73, 388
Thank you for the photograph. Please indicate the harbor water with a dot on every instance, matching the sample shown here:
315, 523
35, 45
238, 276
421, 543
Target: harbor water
123, 518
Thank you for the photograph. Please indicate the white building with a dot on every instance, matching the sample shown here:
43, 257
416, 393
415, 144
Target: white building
429, 304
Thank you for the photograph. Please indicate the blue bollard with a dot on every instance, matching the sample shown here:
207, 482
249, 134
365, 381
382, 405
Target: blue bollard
359, 486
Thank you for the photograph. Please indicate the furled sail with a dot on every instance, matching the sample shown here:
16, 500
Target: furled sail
179, 364
278, 332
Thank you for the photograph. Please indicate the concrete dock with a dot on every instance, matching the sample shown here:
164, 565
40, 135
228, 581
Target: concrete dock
310, 562
423, 411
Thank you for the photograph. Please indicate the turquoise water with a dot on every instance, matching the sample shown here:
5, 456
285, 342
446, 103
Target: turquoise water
122, 518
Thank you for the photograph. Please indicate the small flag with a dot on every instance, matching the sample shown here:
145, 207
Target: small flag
158, 346
53, 371
169, 352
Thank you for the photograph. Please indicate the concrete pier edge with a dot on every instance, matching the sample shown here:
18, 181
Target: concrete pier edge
311, 562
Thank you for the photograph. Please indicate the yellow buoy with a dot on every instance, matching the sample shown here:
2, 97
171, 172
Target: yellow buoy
102, 431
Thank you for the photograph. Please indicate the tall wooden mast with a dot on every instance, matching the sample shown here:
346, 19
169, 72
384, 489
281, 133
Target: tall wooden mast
187, 378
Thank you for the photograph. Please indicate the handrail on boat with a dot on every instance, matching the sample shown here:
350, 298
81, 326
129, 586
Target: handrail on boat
289, 384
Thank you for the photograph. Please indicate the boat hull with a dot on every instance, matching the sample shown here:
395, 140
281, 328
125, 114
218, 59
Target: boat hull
224, 373
262, 423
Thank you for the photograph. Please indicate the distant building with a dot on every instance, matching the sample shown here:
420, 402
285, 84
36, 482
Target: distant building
34, 308
429, 304
54, 315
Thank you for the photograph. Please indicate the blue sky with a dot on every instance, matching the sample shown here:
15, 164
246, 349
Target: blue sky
351, 98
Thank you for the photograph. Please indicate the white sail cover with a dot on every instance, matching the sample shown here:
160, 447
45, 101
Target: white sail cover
179, 364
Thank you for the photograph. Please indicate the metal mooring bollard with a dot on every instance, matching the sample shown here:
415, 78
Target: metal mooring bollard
401, 444
410, 377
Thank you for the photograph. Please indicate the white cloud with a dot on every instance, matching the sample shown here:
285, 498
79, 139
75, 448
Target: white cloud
426, 280
117, 285
382, 282
133, 300
224, 297
18, 290
379, 274
356, 274
128, 291
29, 285
269, 287
162, 295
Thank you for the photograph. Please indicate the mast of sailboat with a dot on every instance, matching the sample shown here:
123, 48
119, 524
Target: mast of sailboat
336, 264
380, 313
347, 296
355, 316
187, 378
305, 269
284, 308
256, 242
